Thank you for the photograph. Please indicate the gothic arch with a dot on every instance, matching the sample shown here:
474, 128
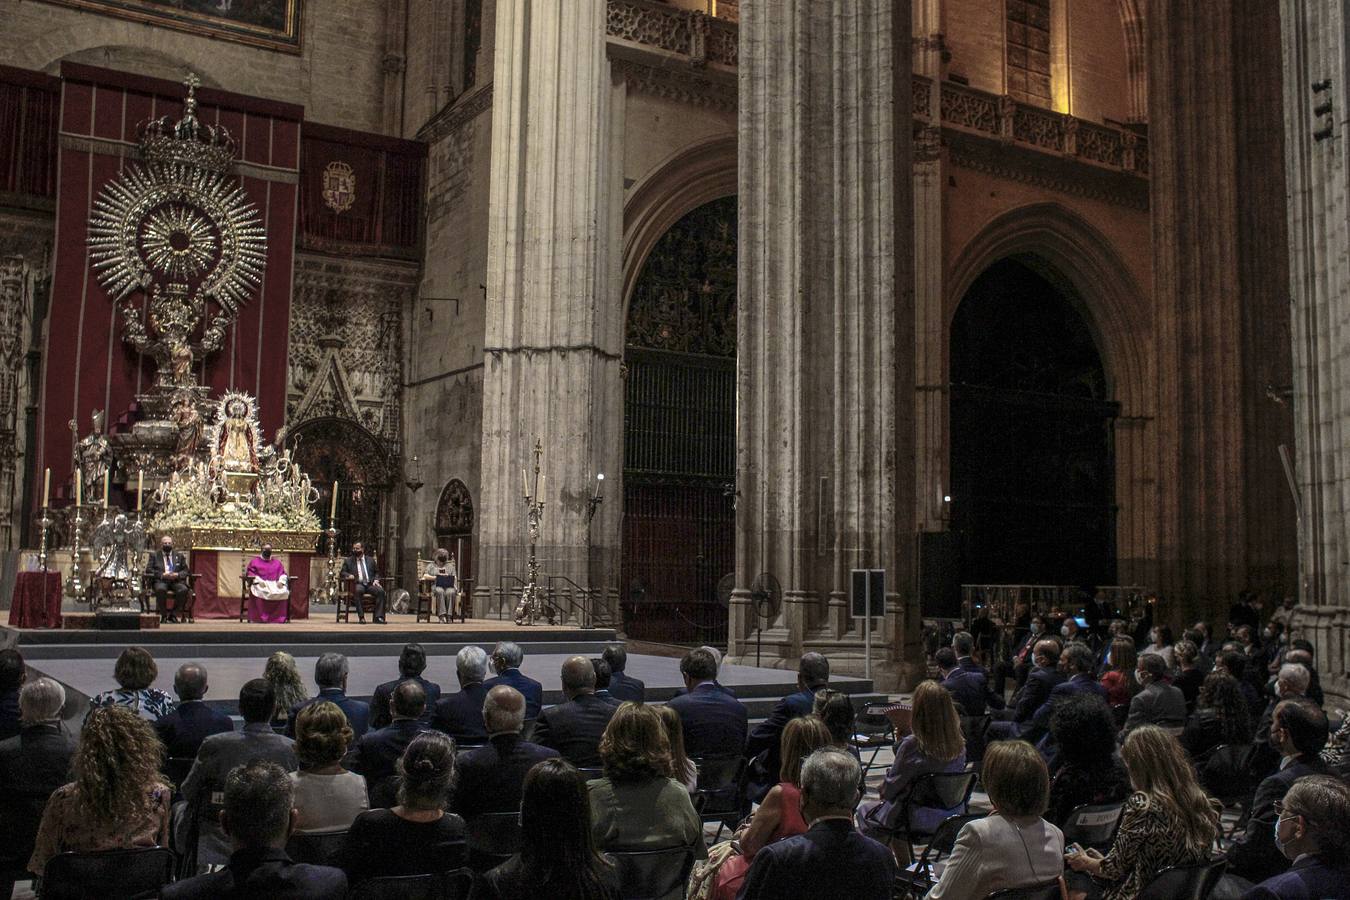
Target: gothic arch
454, 509
1132, 18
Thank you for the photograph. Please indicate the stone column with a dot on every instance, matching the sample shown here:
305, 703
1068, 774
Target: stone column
825, 321
1315, 49
13, 305
554, 329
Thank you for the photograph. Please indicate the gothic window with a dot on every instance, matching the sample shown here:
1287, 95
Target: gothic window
1028, 33
454, 511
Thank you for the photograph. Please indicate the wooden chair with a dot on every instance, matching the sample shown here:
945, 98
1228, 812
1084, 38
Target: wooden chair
422, 601
189, 604
347, 600
246, 584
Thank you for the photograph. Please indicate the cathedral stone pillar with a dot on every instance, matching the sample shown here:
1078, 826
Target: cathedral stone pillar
554, 329
825, 409
1316, 96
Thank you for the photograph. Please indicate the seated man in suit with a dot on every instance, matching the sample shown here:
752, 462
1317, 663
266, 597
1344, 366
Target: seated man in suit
1044, 678
831, 859
714, 722
1076, 661
1159, 703
168, 574
506, 659
460, 714
183, 730
762, 746
220, 753
963, 644
376, 755
364, 572
491, 778
622, 686
574, 728
967, 686
1312, 832
1018, 664
603, 676
330, 674
1299, 731
258, 818
412, 662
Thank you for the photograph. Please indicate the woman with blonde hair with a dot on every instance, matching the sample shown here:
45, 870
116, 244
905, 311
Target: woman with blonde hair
779, 815
935, 744
327, 796
284, 676
1168, 821
117, 800
682, 768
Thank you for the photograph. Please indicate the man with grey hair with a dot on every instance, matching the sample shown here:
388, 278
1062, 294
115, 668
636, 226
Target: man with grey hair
574, 728
1291, 683
36, 761
506, 659
491, 778
1078, 663
330, 674
831, 859
460, 714
1159, 703
183, 730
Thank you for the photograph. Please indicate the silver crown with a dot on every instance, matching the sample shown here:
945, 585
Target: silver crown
188, 141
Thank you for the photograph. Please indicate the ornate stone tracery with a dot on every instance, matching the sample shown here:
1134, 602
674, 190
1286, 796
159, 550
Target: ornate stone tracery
454, 509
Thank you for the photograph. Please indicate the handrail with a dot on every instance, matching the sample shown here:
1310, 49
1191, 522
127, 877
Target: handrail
588, 611
501, 588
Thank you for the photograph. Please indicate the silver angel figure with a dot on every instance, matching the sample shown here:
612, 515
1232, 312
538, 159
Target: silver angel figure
118, 545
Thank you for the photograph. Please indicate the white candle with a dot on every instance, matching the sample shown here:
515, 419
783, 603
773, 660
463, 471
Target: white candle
525, 482
78, 498
140, 486
107, 479
47, 488
332, 509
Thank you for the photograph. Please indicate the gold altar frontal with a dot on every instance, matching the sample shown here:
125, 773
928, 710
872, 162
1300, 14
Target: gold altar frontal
244, 539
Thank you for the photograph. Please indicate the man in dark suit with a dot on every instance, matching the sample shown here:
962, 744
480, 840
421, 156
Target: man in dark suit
168, 574
622, 685
460, 714
1098, 612
603, 675
762, 746
412, 662
574, 728
1076, 662
183, 730
1044, 678
491, 778
1312, 832
831, 859
967, 687
1019, 663
258, 818
1159, 703
364, 572
1299, 732
714, 722
330, 674
963, 644
506, 659
36, 761
376, 756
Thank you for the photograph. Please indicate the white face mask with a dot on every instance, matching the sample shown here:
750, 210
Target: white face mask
1035, 627
1064, 630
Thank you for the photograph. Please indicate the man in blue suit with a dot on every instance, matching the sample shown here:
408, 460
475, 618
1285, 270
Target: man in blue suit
412, 662
762, 747
714, 722
506, 659
183, 730
491, 778
575, 728
460, 715
1077, 663
967, 686
330, 674
622, 686
1312, 832
831, 859
376, 755
1044, 678
963, 644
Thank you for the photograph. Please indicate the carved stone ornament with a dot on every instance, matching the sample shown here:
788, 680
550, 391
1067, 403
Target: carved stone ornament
454, 511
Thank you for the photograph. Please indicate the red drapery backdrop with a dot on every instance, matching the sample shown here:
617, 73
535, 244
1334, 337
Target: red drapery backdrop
88, 366
29, 105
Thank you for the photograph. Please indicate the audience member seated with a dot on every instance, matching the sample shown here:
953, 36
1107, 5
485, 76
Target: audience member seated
713, 721
1290, 684
1336, 754
491, 777
1160, 643
835, 709
967, 687
1157, 703
417, 836
830, 859
36, 761
1303, 656
327, 796
1118, 678
1088, 769
412, 662
330, 674
1298, 731
460, 714
135, 672
602, 679
376, 755
1209, 648
219, 755
780, 815
1220, 717
556, 861
1190, 676
1116, 629
574, 728
1076, 662
12, 674
117, 799
506, 659
963, 644
1312, 832
638, 805
284, 676
183, 730
258, 818
934, 745
1168, 821
1071, 632
1234, 663
764, 742
623, 686
1011, 722
684, 769
1013, 846
1019, 664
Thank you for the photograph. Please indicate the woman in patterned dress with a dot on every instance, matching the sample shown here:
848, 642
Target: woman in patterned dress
135, 673
1168, 821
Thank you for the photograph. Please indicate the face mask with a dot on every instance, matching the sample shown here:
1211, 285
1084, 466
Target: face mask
1269, 634
267, 554
1035, 627
168, 548
1279, 844
1064, 630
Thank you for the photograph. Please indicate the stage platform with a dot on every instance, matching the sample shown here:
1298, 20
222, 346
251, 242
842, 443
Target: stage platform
234, 652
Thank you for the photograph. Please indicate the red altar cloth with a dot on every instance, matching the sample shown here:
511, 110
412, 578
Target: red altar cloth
219, 583
37, 600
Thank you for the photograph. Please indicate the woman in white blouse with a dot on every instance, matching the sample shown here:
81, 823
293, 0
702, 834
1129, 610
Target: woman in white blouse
327, 796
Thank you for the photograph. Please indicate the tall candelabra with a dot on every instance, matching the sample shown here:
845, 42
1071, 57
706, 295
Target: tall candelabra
331, 579
44, 523
74, 584
531, 606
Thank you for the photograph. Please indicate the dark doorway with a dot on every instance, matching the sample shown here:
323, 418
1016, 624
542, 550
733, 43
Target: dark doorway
331, 449
1033, 479
680, 432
